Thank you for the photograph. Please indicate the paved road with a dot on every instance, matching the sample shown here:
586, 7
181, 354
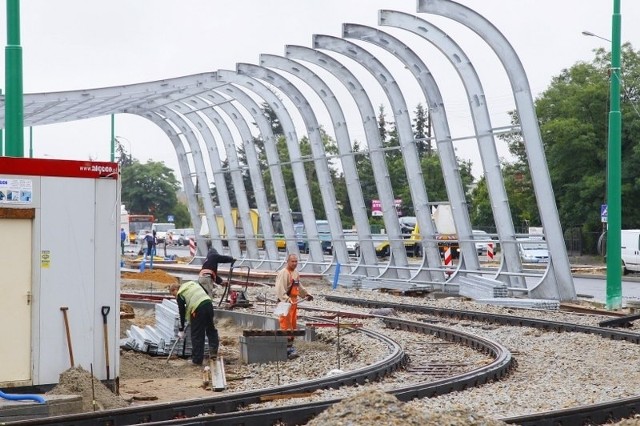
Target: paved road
597, 288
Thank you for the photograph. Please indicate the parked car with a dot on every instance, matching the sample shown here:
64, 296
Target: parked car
184, 236
301, 238
533, 250
353, 244
324, 233
483, 241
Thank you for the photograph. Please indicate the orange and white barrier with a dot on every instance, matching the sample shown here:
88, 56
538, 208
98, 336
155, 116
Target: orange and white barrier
490, 251
192, 247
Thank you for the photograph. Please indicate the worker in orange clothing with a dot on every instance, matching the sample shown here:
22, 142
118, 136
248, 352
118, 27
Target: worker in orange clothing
288, 289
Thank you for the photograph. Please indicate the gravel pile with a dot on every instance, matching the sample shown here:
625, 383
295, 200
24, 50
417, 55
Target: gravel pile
554, 370
377, 407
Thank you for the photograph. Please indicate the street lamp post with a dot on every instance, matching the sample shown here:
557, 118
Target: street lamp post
614, 175
614, 160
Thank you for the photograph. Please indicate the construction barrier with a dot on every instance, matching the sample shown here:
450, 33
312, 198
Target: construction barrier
448, 261
192, 247
490, 251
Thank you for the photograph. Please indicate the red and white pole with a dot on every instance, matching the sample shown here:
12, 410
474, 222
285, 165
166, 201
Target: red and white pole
490, 251
192, 247
448, 259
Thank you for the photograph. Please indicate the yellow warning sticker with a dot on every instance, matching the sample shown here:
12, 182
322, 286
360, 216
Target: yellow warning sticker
45, 258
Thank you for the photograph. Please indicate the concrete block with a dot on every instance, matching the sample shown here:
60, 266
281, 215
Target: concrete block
263, 349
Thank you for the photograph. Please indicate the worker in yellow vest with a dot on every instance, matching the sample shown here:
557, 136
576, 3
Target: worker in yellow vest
196, 307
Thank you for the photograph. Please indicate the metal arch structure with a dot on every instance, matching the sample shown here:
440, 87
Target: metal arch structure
317, 151
405, 134
343, 140
187, 109
446, 152
198, 161
380, 170
185, 172
275, 170
559, 282
299, 176
484, 133
219, 101
200, 107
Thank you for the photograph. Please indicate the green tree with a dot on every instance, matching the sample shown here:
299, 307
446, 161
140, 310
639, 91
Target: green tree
422, 130
149, 189
573, 117
182, 216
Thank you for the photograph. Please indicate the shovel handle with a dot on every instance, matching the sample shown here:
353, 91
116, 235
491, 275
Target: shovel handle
105, 312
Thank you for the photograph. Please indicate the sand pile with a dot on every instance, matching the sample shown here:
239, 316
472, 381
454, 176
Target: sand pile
78, 381
155, 275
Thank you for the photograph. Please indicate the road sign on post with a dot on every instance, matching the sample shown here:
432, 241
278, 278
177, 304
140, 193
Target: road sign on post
603, 213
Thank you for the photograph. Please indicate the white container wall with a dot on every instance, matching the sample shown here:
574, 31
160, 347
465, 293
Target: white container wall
65, 253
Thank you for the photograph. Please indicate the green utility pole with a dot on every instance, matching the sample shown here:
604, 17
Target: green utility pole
614, 175
13, 103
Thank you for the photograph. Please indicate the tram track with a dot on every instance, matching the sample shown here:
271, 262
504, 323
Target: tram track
231, 409
242, 409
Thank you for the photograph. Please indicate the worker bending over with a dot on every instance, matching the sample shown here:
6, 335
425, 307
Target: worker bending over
195, 305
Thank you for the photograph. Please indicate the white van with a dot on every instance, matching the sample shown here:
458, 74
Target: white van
630, 244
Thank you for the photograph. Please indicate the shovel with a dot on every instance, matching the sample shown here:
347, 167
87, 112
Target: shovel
105, 311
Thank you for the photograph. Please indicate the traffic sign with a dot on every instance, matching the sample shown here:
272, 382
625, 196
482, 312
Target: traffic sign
603, 213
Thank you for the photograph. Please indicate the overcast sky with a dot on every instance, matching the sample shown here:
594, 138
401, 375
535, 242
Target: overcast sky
80, 44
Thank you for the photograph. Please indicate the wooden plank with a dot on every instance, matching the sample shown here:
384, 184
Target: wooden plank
266, 398
266, 333
17, 213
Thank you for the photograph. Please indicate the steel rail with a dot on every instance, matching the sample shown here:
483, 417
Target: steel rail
395, 360
302, 413
492, 318
600, 413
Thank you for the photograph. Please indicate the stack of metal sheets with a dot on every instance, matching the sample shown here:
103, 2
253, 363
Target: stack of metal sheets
479, 287
160, 338
545, 304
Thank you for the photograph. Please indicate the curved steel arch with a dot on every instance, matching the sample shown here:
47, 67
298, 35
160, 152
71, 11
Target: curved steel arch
200, 171
446, 151
300, 179
354, 189
559, 282
269, 140
317, 149
255, 172
482, 123
405, 134
199, 106
380, 170
185, 171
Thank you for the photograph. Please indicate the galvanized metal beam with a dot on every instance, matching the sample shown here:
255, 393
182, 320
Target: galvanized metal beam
343, 141
484, 133
374, 144
559, 282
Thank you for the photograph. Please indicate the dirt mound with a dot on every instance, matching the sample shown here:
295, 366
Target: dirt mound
382, 408
155, 275
78, 381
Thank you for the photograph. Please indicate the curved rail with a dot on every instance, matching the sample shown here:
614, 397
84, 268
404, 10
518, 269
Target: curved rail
493, 318
302, 413
232, 402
